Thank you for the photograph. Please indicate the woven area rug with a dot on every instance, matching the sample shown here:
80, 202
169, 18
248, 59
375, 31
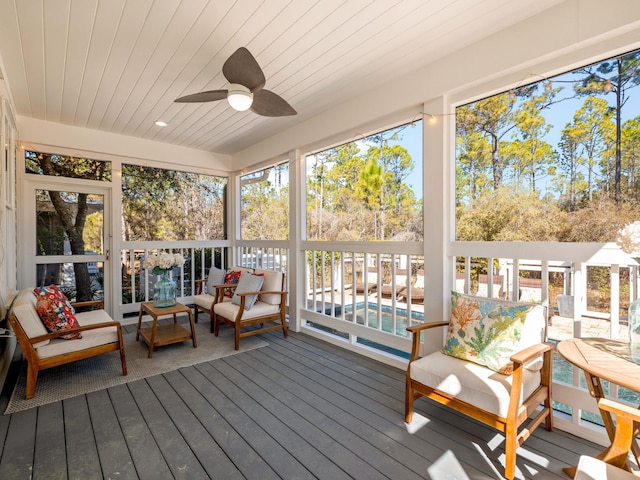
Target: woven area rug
105, 370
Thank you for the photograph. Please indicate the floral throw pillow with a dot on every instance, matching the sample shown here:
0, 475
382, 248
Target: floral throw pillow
485, 332
231, 277
55, 311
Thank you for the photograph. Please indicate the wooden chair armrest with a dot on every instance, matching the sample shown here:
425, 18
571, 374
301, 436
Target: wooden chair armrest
60, 333
415, 331
89, 303
619, 409
530, 353
424, 326
274, 292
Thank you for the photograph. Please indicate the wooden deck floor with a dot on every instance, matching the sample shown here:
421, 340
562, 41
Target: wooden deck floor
299, 408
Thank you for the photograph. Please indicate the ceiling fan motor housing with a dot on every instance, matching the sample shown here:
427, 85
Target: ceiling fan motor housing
239, 97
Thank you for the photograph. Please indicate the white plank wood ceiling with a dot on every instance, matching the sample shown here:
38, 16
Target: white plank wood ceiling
117, 65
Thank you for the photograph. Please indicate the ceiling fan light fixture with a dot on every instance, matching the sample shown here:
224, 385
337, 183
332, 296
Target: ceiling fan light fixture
239, 97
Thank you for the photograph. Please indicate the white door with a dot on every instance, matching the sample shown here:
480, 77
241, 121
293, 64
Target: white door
66, 238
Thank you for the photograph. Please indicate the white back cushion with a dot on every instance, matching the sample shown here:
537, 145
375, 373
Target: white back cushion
24, 308
215, 277
272, 283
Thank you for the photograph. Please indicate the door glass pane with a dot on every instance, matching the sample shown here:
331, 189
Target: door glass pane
80, 281
69, 223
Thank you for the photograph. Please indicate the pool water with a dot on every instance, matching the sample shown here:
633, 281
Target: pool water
385, 316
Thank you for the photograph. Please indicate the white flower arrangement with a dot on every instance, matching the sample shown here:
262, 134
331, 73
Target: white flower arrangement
163, 261
629, 239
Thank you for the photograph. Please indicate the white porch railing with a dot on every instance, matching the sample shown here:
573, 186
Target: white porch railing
137, 283
352, 294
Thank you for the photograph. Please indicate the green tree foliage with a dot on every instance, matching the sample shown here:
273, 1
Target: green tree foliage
630, 146
615, 76
265, 204
588, 175
493, 118
358, 192
472, 165
159, 204
529, 155
507, 215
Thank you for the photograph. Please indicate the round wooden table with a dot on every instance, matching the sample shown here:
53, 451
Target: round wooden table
602, 359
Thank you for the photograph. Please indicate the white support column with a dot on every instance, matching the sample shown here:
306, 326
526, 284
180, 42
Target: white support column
439, 209
113, 242
297, 231
614, 324
579, 296
233, 217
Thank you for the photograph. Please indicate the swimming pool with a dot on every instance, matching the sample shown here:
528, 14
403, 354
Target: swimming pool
381, 317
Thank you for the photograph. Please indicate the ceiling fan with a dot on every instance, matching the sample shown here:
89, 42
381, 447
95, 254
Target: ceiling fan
245, 88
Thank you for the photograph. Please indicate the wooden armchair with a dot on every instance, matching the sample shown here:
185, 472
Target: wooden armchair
208, 294
612, 464
269, 308
100, 334
502, 401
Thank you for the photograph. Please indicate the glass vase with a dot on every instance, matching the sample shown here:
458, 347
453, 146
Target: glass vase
634, 331
164, 291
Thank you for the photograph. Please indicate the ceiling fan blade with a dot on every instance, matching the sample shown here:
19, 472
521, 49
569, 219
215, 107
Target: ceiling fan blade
270, 105
208, 96
242, 68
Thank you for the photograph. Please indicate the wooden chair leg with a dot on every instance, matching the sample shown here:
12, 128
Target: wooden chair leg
408, 404
123, 358
285, 329
32, 378
215, 325
237, 334
510, 447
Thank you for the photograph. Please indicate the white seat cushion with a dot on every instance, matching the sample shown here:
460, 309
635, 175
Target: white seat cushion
470, 382
205, 300
229, 310
90, 338
590, 468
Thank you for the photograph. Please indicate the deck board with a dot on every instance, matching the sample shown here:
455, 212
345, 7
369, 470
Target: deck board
82, 452
237, 448
50, 451
207, 452
115, 455
297, 408
266, 411
19, 447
